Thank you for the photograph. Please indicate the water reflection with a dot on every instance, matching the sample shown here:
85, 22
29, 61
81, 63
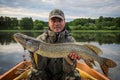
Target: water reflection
10, 55
101, 38
7, 38
11, 52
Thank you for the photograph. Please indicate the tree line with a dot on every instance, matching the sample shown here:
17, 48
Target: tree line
102, 23
27, 23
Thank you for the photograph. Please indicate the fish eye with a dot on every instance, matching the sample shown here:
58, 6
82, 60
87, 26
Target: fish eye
27, 39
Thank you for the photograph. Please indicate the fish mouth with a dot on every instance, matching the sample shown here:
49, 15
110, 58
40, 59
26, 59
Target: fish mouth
18, 38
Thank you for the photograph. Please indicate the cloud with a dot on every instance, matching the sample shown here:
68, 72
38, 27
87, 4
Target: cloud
39, 9
22, 12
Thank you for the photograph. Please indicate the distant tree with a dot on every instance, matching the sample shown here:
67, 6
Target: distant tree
14, 23
26, 23
7, 22
2, 22
100, 19
67, 26
117, 22
38, 25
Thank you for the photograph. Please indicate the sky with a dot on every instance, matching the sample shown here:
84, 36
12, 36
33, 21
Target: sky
39, 9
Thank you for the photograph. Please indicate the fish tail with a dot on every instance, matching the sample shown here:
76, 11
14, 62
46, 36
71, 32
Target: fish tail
107, 63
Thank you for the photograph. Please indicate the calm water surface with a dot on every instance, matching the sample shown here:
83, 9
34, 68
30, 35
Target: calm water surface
11, 52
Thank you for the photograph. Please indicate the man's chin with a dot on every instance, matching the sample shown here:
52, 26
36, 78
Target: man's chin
57, 30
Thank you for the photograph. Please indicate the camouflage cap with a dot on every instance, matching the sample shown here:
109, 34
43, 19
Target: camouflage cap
57, 13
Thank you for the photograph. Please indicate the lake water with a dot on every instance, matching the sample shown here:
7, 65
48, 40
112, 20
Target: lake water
11, 52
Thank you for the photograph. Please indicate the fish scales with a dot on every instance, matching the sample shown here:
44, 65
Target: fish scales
62, 50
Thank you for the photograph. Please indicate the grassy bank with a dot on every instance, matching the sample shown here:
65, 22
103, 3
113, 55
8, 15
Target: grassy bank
71, 31
95, 31
21, 30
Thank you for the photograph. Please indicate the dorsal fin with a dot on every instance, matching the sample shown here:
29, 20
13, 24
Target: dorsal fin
94, 48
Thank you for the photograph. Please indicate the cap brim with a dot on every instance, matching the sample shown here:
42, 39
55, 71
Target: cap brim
57, 16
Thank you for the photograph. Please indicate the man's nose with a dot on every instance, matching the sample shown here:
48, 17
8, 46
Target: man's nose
56, 23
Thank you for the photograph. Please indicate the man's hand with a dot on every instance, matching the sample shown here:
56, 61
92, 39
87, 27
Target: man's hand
74, 56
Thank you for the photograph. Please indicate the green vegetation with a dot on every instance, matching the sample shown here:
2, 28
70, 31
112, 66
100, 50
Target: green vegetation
7, 23
90, 31
21, 30
102, 23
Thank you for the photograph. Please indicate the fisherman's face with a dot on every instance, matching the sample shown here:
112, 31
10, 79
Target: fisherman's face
56, 24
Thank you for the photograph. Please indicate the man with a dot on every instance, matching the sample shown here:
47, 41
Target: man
55, 68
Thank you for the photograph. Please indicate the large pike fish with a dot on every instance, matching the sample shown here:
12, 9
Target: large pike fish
87, 52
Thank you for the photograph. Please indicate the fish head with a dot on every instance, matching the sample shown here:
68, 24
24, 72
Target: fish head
29, 43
